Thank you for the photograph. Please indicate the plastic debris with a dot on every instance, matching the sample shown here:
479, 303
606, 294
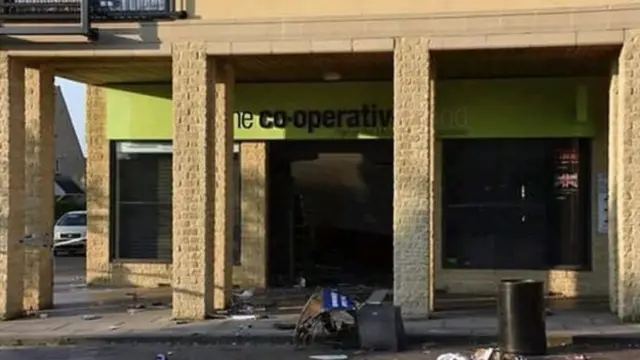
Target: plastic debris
243, 317
245, 295
453, 356
161, 357
91, 317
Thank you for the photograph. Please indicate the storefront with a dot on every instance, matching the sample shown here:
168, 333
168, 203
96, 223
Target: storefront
516, 164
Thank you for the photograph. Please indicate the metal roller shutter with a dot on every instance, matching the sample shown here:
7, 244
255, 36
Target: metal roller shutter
144, 206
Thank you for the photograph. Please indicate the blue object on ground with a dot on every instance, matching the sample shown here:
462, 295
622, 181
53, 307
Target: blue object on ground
332, 299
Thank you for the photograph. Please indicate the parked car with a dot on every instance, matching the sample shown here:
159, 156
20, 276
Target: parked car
70, 233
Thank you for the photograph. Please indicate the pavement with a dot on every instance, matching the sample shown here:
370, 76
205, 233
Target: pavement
86, 316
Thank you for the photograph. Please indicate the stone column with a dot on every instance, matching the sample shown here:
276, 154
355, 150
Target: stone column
193, 180
12, 156
252, 271
39, 178
613, 167
224, 204
625, 139
97, 188
413, 195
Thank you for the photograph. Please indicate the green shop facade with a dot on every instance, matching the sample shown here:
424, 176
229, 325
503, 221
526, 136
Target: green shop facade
520, 175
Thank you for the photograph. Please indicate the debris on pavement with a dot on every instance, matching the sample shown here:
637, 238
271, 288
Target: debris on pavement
161, 357
242, 329
245, 295
329, 357
453, 356
327, 311
113, 328
243, 317
484, 354
91, 317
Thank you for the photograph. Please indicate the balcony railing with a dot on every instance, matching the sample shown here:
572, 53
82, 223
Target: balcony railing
17, 11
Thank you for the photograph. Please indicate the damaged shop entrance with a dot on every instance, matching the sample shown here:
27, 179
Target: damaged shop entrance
330, 213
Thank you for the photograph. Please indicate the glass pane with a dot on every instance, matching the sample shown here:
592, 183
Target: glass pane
73, 219
505, 208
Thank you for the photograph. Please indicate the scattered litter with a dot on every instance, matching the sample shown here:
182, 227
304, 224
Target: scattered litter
453, 356
484, 354
329, 357
428, 345
242, 329
91, 317
243, 317
133, 311
113, 328
245, 295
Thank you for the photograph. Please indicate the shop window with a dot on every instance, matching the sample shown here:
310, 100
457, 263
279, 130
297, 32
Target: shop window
142, 200
516, 204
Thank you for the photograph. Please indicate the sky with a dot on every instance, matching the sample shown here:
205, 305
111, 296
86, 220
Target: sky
75, 96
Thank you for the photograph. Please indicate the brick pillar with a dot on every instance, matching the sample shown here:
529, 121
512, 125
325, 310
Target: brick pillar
224, 204
413, 176
12, 148
39, 171
625, 139
613, 167
97, 187
193, 180
252, 271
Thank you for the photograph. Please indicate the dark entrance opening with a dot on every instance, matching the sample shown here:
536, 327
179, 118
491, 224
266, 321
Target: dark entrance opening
330, 212
516, 204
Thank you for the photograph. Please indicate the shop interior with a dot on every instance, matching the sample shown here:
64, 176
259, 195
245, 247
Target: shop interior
331, 212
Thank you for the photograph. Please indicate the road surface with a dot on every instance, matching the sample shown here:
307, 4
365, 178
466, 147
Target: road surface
258, 352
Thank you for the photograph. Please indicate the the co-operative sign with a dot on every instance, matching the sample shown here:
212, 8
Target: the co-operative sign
308, 123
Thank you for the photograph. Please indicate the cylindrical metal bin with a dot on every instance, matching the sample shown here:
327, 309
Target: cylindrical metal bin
521, 317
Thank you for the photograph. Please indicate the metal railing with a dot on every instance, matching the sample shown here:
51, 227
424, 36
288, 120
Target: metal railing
15, 11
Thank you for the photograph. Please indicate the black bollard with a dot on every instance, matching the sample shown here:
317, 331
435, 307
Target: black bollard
521, 318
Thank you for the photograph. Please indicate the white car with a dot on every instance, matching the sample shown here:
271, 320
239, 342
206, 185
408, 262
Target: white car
70, 233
